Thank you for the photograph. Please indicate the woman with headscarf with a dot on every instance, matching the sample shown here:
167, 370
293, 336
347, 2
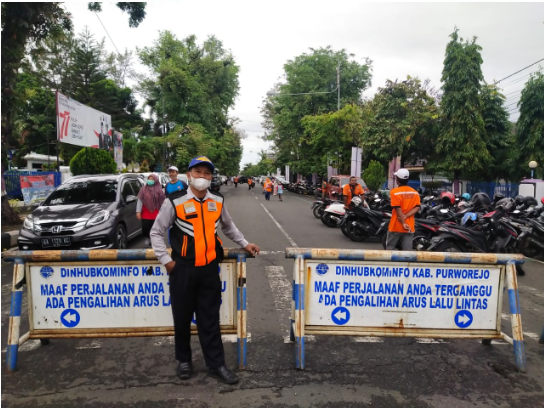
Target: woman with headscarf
150, 199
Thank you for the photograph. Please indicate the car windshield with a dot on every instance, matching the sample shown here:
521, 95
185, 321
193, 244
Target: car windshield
346, 181
83, 193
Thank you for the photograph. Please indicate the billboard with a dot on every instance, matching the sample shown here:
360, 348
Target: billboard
36, 188
81, 125
118, 149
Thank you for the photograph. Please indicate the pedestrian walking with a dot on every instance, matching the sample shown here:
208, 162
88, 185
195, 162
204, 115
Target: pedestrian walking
280, 191
150, 200
275, 185
236, 179
175, 184
195, 288
267, 189
250, 183
405, 202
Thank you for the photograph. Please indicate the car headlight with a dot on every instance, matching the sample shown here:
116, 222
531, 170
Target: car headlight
28, 224
98, 218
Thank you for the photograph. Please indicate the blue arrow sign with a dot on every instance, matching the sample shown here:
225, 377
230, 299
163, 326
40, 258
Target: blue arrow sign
70, 318
340, 315
463, 319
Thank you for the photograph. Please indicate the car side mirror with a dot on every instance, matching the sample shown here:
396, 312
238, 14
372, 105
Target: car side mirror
130, 199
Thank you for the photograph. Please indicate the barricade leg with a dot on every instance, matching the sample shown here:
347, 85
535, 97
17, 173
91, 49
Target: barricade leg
299, 313
241, 312
515, 317
15, 316
292, 325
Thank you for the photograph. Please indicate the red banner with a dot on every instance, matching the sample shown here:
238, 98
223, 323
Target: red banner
36, 188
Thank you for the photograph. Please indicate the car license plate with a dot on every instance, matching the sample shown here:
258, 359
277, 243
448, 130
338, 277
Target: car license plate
56, 242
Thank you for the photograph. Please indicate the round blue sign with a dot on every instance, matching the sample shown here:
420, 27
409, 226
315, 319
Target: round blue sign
340, 315
463, 319
70, 318
321, 269
46, 272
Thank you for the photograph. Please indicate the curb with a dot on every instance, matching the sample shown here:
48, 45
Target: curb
9, 239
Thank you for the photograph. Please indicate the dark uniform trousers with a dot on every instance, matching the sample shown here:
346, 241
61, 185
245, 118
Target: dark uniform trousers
197, 289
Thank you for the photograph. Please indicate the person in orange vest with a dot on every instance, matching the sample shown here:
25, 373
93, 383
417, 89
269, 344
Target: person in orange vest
267, 189
324, 187
351, 190
236, 179
250, 183
193, 216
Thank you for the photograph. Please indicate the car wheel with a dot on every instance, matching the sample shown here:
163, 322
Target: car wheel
120, 237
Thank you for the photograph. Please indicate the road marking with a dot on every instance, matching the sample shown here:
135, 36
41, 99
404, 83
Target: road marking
94, 344
233, 338
307, 338
531, 335
280, 227
162, 340
256, 198
368, 339
424, 340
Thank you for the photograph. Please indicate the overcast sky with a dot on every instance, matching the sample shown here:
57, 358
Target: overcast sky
400, 38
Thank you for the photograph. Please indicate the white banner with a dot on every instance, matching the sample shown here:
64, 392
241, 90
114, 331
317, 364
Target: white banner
81, 125
423, 296
111, 295
118, 149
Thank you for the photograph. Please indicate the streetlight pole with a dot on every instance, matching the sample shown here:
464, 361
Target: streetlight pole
532, 165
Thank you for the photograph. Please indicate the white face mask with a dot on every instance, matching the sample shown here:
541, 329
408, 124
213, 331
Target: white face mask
200, 184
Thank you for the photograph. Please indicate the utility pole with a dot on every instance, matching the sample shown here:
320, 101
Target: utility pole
338, 82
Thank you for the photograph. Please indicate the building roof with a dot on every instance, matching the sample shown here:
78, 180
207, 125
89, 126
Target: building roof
41, 157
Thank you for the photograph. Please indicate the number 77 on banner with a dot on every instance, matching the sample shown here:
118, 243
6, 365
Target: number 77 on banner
65, 116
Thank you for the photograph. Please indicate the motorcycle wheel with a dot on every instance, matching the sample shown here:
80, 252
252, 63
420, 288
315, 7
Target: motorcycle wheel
526, 249
344, 229
447, 246
328, 221
353, 235
318, 211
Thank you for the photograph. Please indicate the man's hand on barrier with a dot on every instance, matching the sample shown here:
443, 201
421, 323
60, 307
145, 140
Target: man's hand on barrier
252, 249
170, 266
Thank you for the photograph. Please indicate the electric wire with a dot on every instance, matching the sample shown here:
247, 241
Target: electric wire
517, 72
96, 14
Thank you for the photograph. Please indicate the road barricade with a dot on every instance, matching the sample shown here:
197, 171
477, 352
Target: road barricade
110, 293
403, 294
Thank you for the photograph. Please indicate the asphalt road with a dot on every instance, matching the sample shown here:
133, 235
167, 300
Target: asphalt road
340, 371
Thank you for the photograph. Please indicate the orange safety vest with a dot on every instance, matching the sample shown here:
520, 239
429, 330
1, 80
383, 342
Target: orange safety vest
193, 236
268, 187
249, 181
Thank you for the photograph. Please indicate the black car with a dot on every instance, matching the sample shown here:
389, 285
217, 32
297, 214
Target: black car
242, 180
85, 212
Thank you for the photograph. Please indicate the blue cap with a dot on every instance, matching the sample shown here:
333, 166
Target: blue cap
201, 160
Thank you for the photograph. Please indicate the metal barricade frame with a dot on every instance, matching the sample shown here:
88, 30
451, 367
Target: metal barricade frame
508, 280
23, 260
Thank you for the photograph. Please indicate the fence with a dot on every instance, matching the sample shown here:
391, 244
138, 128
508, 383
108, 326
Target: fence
490, 188
13, 182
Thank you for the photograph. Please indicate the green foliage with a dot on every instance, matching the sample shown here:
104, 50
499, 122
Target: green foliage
402, 120
136, 11
144, 167
530, 125
374, 176
14, 204
190, 83
462, 139
263, 167
92, 161
300, 143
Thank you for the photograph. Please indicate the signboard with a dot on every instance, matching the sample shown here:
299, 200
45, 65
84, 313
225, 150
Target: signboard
35, 189
118, 149
419, 296
111, 295
81, 125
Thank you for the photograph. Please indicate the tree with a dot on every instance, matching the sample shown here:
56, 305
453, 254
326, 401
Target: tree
499, 138
190, 83
461, 142
136, 11
530, 125
403, 121
92, 161
374, 175
309, 73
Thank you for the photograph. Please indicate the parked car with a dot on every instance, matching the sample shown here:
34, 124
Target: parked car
86, 212
282, 181
337, 183
242, 180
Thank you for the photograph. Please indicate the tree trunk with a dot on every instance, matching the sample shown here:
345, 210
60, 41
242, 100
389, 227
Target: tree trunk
456, 175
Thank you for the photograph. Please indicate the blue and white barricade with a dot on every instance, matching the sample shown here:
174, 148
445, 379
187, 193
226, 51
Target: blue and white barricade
111, 293
403, 294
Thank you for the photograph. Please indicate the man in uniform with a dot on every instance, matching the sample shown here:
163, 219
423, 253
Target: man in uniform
175, 184
405, 203
195, 287
351, 190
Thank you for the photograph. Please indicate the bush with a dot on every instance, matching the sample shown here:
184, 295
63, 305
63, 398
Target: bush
144, 167
92, 161
374, 175
432, 184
